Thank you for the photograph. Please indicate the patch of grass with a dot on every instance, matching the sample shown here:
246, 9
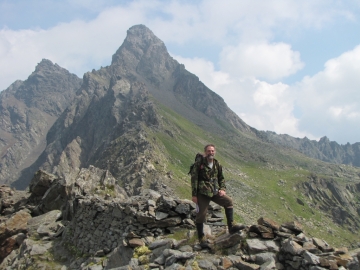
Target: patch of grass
184, 234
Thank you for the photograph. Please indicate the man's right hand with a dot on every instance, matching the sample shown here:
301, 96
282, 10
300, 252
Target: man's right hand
194, 199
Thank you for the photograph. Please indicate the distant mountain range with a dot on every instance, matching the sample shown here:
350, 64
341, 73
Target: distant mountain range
144, 117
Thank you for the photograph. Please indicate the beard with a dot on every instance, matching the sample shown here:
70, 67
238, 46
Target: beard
210, 156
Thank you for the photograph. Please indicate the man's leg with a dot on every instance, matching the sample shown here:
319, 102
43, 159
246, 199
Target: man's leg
227, 203
203, 204
233, 228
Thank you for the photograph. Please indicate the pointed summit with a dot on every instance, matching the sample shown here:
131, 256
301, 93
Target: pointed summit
144, 53
47, 67
45, 63
138, 42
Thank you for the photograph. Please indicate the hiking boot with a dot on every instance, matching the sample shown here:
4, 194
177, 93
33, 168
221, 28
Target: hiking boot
205, 243
234, 228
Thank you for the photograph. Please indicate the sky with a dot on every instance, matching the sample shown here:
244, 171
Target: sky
287, 66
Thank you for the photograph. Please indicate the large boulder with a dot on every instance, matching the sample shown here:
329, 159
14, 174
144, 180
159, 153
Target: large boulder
10, 231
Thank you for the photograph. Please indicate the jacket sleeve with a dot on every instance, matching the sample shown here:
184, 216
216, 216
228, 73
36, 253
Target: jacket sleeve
195, 180
221, 179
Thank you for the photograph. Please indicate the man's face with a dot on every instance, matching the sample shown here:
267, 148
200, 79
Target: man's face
210, 152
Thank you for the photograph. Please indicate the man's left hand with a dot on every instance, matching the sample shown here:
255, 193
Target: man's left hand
222, 192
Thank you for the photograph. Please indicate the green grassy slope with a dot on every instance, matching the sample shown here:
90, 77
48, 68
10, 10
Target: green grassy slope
262, 179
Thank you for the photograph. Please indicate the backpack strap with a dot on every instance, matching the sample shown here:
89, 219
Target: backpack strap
198, 158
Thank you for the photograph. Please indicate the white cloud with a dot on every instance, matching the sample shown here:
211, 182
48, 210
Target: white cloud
269, 61
77, 46
19, 54
273, 109
205, 70
330, 99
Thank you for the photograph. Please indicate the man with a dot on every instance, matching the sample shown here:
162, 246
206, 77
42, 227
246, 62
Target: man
208, 184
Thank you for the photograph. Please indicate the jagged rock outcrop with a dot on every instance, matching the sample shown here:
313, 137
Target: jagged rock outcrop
338, 201
154, 231
27, 111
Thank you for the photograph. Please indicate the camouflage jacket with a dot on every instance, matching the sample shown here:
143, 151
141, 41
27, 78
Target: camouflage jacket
205, 180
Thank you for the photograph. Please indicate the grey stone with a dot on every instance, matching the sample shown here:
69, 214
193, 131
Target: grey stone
268, 265
262, 258
117, 213
240, 264
256, 246
160, 260
175, 266
186, 248
227, 240
291, 247
160, 243
48, 229
143, 218
168, 222
165, 203
182, 208
48, 218
161, 215
310, 258
120, 256
39, 249
206, 264
272, 246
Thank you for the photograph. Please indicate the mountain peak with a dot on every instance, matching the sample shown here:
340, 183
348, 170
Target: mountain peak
140, 42
140, 30
44, 65
48, 67
324, 140
142, 37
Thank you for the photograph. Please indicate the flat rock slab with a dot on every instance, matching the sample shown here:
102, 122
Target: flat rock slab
45, 219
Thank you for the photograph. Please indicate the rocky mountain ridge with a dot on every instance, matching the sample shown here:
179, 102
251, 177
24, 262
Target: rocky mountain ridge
90, 223
324, 149
28, 109
116, 101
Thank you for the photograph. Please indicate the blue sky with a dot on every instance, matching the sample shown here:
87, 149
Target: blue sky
287, 66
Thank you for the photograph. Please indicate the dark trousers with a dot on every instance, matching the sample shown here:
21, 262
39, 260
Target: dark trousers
204, 201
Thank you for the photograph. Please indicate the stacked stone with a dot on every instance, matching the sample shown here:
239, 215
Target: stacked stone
133, 232
287, 247
99, 226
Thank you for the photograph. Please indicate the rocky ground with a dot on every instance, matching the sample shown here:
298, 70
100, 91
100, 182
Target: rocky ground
91, 223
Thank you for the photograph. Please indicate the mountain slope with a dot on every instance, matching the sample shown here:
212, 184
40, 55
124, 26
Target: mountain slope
28, 109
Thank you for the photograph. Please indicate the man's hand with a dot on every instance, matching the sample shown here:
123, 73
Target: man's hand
222, 192
194, 199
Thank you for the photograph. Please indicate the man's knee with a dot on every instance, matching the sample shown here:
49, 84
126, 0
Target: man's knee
225, 201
